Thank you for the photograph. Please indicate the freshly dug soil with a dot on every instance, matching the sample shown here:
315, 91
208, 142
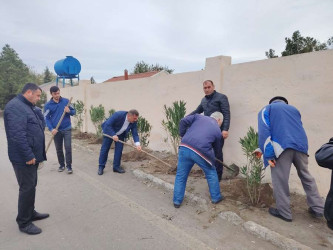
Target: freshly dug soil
236, 190
91, 138
134, 156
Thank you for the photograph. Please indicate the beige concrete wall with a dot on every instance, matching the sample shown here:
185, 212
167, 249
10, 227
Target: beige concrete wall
305, 80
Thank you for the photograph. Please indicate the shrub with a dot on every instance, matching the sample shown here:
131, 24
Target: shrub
79, 107
144, 129
97, 115
111, 112
253, 171
173, 116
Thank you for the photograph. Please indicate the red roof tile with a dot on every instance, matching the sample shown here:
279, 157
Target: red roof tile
134, 76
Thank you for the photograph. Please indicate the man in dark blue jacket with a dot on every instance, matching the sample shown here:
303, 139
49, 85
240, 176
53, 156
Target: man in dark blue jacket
24, 126
63, 135
201, 143
215, 102
117, 126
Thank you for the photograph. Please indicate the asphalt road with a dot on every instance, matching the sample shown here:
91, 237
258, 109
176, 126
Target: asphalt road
112, 211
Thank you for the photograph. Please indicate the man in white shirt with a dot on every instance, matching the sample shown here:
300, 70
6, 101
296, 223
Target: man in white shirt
117, 126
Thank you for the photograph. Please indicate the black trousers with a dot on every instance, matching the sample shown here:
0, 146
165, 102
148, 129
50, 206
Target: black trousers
64, 138
26, 176
328, 212
219, 166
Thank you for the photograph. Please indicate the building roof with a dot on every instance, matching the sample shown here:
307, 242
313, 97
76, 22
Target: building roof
131, 77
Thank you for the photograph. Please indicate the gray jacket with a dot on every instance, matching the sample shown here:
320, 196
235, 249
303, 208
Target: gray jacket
215, 102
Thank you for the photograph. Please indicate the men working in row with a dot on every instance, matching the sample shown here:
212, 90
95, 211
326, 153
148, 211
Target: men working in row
118, 126
54, 110
215, 102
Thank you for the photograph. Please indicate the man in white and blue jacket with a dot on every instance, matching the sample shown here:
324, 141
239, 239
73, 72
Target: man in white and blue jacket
200, 144
53, 111
118, 126
283, 141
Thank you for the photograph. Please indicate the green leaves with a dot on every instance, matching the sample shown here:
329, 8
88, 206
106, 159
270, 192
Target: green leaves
79, 107
142, 67
144, 129
97, 115
253, 171
297, 44
171, 125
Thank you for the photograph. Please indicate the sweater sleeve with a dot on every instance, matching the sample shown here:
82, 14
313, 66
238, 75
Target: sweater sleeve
225, 110
185, 123
47, 117
264, 132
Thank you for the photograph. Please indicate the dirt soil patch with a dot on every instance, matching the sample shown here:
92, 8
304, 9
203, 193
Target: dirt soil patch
89, 137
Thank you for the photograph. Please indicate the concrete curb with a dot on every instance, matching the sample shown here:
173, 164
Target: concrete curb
273, 237
193, 198
249, 226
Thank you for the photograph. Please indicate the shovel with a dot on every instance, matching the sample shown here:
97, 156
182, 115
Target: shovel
61, 118
153, 156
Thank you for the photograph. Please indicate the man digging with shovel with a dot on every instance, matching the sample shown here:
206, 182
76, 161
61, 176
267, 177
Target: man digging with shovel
54, 110
199, 146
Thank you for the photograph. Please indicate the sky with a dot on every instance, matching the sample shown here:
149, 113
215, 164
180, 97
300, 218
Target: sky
109, 36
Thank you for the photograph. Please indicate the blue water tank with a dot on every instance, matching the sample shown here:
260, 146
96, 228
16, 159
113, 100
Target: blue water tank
68, 67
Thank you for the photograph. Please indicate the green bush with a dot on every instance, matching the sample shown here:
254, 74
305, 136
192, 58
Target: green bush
97, 115
144, 129
253, 171
173, 116
111, 112
79, 107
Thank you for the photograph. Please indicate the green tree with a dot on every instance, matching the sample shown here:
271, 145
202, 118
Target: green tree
271, 53
173, 116
97, 115
142, 67
13, 74
79, 107
252, 171
297, 44
48, 76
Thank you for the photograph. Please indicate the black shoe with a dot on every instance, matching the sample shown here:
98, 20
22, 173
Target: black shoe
119, 170
31, 229
39, 216
100, 171
314, 213
273, 211
330, 224
69, 170
61, 169
176, 205
215, 202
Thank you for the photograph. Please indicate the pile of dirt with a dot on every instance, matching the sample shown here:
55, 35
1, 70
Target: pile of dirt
134, 155
236, 189
89, 137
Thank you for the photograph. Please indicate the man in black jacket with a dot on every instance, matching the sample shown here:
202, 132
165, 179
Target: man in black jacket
24, 125
215, 102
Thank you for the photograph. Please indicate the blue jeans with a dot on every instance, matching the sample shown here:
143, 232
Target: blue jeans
64, 138
186, 160
103, 155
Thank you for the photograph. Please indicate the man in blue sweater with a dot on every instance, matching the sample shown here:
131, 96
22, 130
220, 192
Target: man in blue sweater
200, 146
283, 141
63, 135
118, 126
